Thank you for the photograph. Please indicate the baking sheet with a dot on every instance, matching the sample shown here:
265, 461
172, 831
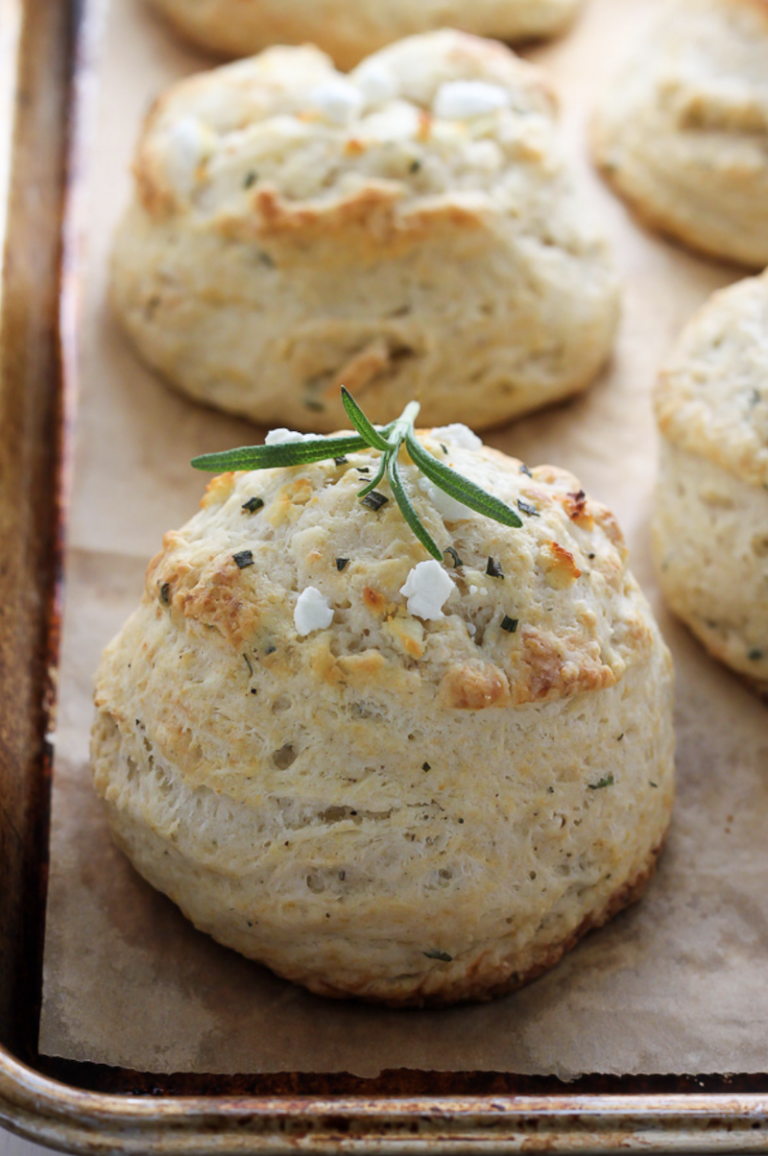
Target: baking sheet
675, 985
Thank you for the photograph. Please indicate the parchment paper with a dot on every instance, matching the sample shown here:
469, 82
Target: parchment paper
679, 984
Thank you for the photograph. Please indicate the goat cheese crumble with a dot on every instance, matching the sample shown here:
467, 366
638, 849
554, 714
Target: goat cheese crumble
458, 435
312, 612
449, 509
427, 589
464, 99
185, 148
279, 437
337, 100
377, 83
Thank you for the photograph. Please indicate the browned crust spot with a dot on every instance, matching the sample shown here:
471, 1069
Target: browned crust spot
215, 597
544, 655
374, 600
474, 687
576, 506
560, 566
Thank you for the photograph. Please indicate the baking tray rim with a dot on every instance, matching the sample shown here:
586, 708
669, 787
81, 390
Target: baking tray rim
55, 1113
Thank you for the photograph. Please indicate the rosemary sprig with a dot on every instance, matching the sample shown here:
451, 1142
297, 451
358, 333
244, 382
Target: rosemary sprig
388, 441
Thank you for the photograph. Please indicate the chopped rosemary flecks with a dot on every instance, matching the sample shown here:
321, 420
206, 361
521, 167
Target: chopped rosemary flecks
375, 500
414, 166
250, 179
527, 508
509, 624
388, 441
606, 782
243, 558
755, 654
454, 555
340, 461
252, 505
443, 956
444, 449
341, 563
654, 785
621, 736
493, 569
363, 469
248, 664
524, 470
270, 650
426, 767
165, 593
314, 404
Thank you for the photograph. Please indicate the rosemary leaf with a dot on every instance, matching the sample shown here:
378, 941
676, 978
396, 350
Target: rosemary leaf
284, 454
372, 485
370, 435
386, 441
407, 510
459, 487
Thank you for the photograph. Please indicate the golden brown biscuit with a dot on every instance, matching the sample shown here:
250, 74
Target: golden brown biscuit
348, 30
711, 519
409, 231
683, 133
381, 776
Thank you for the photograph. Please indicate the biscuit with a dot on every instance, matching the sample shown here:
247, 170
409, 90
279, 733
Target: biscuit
683, 133
382, 777
409, 231
349, 30
711, 519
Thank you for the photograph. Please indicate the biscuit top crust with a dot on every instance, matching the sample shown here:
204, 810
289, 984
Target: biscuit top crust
441, 122
695, 98
712, 396
711, 66
526, 615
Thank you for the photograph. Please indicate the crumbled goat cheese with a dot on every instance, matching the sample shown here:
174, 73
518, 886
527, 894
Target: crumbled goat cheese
337, 100
474, 590
457, 434
278, 437
427, 588
462, 99
184, 152
484, 156
313, 611
396, 123
377, 83
449, 509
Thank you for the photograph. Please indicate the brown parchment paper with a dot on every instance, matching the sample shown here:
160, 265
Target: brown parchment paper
679, 984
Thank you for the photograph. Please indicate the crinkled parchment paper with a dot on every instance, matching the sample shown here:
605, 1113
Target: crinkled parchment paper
678, 984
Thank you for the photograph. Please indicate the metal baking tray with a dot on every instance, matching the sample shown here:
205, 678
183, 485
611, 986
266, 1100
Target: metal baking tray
91, 1108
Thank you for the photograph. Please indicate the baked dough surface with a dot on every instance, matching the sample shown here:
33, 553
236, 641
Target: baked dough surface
711, 521
408, 231
390, 807
348, 30
683, 132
